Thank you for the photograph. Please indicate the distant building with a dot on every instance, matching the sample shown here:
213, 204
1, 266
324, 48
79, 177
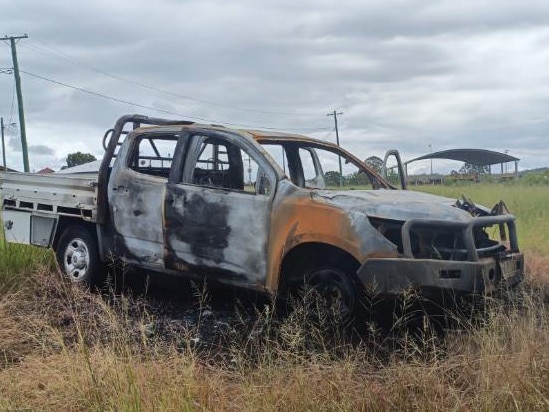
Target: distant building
91, 167
478, 157
424, 179
45, 170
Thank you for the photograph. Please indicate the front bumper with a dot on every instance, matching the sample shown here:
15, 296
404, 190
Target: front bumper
395, 276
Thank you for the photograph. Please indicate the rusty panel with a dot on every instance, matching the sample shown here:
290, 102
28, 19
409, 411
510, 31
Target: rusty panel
297, 218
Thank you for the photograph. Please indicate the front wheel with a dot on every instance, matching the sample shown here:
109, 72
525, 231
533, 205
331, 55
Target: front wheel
78, 257
337, 290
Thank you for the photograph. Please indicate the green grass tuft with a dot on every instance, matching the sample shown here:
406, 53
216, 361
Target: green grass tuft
17, 262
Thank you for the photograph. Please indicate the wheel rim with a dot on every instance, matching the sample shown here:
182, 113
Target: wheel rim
335, 289
76, 260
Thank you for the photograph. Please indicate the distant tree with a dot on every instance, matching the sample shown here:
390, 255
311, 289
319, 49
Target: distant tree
357, 179
375, 163
79, 158
537, 177
393, 176
469, 169
332, 178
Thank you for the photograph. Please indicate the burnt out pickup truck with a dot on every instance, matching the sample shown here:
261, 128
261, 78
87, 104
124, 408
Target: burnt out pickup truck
259, 210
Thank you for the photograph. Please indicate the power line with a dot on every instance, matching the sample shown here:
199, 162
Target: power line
80, 89
327, 135
157, 89
142, 106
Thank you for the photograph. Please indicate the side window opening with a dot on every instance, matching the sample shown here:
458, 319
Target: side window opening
222, 164
218, 165
316, 167
351, 177
278, 153
287, 159
153, 155
312, 177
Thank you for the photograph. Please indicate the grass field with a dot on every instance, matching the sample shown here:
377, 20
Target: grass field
63, 348
528, 203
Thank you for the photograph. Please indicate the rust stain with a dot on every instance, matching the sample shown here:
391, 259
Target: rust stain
297, 219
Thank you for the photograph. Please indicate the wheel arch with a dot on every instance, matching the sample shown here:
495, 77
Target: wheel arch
65, 221
311, 255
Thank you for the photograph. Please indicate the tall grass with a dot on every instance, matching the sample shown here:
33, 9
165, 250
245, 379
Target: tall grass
75, 351
527, 203
17, 262
64, 348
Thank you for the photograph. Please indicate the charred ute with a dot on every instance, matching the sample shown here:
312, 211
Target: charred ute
258, 210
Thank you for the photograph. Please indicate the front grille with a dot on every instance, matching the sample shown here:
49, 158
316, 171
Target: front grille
449, 240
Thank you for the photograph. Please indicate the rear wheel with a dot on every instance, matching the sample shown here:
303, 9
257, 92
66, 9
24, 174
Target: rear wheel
78, 256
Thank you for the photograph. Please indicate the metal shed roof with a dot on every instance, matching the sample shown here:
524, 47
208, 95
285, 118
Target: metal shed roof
478, 157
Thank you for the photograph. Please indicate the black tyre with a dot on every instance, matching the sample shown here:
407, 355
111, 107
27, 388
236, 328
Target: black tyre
337, 288
78, 257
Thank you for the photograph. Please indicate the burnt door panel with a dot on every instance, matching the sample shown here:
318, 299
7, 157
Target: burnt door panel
217, 232
136, 196
217, 223
136, 206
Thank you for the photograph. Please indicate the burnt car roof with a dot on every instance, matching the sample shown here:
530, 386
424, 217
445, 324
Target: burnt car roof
262, 136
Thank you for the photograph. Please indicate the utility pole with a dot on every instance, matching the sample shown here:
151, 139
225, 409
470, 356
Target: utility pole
19, 98
3, 127
3, 144
431, 152
249, 170
334, 113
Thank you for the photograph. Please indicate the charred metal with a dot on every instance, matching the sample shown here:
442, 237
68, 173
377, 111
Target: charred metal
258, 210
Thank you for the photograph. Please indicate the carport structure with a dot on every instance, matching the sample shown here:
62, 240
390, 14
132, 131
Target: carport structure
477, 157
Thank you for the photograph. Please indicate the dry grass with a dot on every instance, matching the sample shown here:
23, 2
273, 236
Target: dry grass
64, 348
537, 269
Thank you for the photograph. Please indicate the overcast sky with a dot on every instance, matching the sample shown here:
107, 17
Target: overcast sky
405, 74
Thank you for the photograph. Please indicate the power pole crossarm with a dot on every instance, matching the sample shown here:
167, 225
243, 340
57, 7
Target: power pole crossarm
335, 113
19, 99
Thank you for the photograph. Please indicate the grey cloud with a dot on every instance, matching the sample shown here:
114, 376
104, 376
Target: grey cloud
405, 73
41, 149
423, 18
14, 144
